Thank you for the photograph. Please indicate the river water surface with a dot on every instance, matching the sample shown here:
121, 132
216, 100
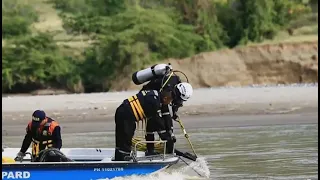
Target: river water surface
250, 152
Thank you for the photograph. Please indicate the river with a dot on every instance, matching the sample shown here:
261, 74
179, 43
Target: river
281, 146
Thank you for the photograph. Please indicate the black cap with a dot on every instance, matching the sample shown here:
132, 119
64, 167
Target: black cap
38, 115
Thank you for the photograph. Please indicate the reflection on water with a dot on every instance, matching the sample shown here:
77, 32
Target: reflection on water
261, 152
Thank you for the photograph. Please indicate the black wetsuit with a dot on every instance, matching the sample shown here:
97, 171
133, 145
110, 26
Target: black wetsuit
156, 84
144, 107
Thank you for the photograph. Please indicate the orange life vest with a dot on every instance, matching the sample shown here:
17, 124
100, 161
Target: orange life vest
43, 136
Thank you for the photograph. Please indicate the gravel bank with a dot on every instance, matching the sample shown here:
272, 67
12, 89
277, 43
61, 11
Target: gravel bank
217, 101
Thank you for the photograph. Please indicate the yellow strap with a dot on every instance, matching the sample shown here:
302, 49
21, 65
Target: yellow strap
139, 106
133, 108
166, 81
141, 113
137, 109
35, 148
144, 115
141, 110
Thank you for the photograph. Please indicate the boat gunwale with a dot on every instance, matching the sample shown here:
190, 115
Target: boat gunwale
88, 164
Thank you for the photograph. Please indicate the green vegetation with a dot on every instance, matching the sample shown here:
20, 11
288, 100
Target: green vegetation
14, 21
128, 34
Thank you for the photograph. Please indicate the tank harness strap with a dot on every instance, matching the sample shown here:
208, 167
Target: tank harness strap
48, 143
165, 83
136, 108
35, 147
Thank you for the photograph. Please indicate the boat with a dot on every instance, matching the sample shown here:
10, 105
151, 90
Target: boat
85, 163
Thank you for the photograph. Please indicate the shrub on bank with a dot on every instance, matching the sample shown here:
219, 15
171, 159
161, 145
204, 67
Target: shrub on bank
17, 16
130, 34
33, 62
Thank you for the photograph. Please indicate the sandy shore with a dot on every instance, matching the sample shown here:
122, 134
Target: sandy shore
219, 101
82, 113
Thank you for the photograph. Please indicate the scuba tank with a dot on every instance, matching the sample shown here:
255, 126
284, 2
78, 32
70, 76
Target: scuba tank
147, 74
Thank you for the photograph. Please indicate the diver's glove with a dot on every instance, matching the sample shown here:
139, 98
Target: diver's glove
20, 156
175, 117
173, 137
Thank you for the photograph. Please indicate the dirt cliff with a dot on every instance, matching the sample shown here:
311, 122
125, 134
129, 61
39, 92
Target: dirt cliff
284, 63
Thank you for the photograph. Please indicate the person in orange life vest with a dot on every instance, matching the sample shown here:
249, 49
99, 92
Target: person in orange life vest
43, 132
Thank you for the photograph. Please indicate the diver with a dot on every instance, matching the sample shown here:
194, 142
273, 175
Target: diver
43, 132
144, 107
159, 79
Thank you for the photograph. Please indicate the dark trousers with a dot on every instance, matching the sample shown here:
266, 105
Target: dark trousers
164, 135
125, 128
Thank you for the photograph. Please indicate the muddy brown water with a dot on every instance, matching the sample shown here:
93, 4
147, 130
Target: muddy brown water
282, 146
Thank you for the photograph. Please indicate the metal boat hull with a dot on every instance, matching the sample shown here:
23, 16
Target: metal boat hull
78, 171
99, 167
